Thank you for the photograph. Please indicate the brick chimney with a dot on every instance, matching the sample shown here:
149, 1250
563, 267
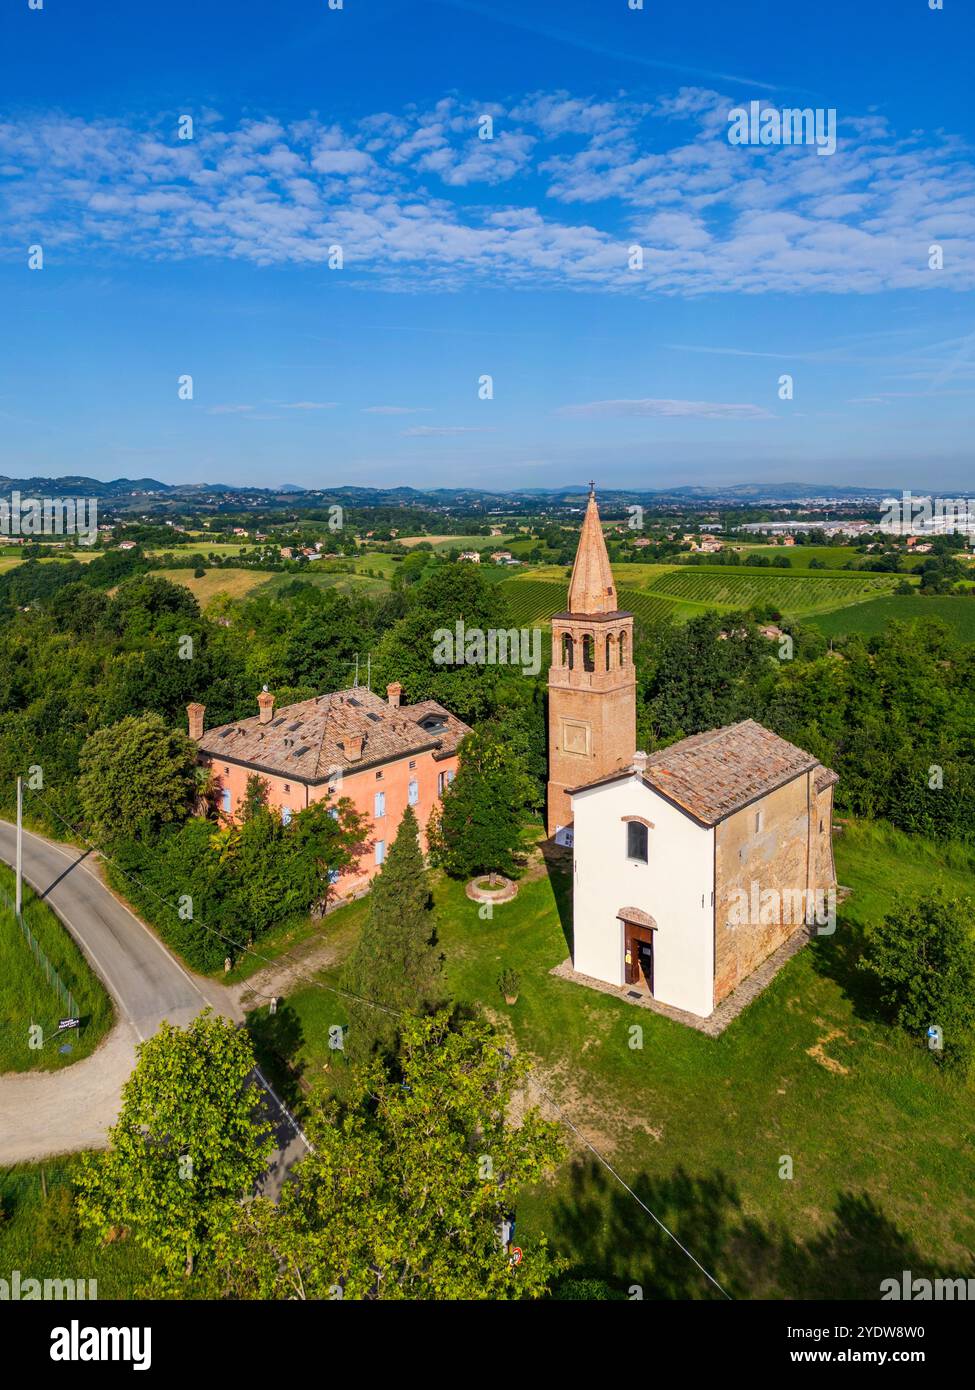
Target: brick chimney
353, 746
195, 713
640, 763
394, 694
265, 704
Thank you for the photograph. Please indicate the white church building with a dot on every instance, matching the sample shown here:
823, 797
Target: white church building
691, 864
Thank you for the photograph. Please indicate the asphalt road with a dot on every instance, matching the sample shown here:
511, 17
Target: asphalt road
47, 1113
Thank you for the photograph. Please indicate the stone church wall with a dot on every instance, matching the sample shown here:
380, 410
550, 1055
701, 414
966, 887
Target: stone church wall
754, 859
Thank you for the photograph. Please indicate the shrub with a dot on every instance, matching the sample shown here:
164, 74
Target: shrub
923, 956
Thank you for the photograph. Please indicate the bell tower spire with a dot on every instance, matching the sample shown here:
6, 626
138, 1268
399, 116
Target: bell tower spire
591, 681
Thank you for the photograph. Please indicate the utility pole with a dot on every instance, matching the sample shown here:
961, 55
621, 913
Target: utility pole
20, 846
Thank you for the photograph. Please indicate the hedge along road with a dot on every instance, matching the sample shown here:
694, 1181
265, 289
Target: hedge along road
48, 1113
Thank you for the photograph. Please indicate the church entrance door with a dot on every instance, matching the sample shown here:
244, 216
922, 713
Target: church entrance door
638, 955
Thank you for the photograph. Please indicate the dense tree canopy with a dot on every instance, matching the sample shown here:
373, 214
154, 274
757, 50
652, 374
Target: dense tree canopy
189, 1143
136, 775
405, 1193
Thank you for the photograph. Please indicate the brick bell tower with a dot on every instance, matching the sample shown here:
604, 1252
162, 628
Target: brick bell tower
591, 681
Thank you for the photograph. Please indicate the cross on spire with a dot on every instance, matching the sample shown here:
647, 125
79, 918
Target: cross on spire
592, 488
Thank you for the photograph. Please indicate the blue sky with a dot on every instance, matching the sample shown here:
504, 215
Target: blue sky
465, 257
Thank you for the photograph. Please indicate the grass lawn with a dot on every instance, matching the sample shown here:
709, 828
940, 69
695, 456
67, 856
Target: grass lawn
881, 1143
873, 616
26, 997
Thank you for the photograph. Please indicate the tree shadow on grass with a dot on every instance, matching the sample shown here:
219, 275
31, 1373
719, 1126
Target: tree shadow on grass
608, 1237
837, 958
277, 1039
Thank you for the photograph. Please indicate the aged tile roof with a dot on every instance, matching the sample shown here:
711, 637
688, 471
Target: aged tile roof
714, 774
591, 588
826, 778
312, 738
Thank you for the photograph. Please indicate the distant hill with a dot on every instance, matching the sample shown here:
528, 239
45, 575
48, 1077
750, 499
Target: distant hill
135, 493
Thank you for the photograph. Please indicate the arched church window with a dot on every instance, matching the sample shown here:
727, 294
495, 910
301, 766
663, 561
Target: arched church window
622, 648
568, 651
588, 652
609, 652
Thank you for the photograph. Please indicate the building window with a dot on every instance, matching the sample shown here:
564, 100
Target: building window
588, 653
412, 764
568, 651
758, 822
380, 807
225, 802
285, 815
287, 788
637, 841
379, 776
820, 827
622, 648
414, 792
380, 851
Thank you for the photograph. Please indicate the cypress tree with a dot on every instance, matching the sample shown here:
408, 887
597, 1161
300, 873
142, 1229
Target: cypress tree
395, 962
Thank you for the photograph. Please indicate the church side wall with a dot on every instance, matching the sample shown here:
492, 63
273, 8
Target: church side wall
752, 861
674, 887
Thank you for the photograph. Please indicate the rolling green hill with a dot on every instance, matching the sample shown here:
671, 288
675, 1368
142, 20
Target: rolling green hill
872, 617
679, 592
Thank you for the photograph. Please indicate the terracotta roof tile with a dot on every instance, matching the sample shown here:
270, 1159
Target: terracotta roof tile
312, 739
714, 774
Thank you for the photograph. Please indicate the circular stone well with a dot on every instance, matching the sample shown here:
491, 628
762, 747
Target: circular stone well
482, 891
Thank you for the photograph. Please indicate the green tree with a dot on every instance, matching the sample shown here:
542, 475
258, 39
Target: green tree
188, 1146
405, 1191
479, 825
923, 956
395, 963
409, 651
136, 775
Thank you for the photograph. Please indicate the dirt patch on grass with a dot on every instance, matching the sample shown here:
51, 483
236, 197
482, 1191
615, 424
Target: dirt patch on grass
598, 1117
817, 1053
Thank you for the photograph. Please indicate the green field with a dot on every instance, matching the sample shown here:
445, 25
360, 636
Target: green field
203, 546
327, 579
662, 591
872, 617
442, 543
724, 586
533, 601
235, 582
881, 1142
26, 998
833, 556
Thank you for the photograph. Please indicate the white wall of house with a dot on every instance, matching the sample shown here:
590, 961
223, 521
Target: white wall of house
675, 887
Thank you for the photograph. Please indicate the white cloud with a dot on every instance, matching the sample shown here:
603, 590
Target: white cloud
666, 409
408, 198
429, 431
